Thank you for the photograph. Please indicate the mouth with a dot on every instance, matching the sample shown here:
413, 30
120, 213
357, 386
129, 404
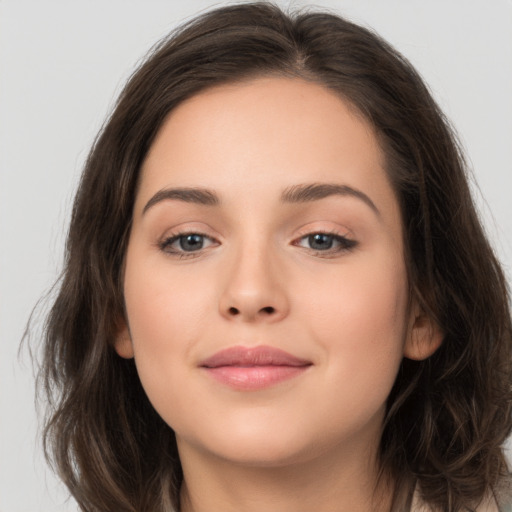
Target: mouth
253, 368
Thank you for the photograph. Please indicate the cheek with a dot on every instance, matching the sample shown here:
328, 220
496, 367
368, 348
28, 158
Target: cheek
161, 302
359, 318
167, 316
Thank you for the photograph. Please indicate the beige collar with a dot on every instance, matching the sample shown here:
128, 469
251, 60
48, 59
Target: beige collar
418, 505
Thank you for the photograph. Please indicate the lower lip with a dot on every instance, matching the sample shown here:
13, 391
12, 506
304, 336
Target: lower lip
250, 378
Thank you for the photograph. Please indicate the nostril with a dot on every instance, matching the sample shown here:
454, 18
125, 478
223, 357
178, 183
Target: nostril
268, 310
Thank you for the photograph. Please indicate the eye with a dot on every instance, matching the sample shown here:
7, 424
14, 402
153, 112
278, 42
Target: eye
184, 243
326, 243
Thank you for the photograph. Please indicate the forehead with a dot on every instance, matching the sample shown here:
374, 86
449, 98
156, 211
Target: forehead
264, 135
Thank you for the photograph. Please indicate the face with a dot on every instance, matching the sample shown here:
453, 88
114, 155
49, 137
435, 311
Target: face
265, 284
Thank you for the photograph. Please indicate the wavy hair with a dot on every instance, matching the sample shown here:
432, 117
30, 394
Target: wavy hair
447, 416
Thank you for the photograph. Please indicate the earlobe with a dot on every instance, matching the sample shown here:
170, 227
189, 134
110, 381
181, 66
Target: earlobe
123, 342
424, 337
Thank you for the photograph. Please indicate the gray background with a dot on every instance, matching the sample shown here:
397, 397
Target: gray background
62, 63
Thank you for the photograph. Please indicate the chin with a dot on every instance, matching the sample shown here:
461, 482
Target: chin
273, 447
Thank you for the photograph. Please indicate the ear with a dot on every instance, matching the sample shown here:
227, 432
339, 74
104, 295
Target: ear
424, 336
123, 342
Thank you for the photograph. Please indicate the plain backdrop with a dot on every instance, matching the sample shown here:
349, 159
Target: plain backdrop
62, 63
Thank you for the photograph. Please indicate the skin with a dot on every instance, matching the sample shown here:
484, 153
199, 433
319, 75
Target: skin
310, 442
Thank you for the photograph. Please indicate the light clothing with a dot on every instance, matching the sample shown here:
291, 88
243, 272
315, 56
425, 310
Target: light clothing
488, 505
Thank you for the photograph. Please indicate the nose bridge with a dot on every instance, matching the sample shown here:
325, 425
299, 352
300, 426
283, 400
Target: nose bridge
254, 288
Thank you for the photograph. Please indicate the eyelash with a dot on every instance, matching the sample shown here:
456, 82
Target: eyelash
344, 244
166, 244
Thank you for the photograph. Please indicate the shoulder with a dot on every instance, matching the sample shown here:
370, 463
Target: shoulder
504, 495
502, 502
497, 500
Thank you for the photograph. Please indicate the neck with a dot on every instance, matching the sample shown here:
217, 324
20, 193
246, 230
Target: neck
327, 482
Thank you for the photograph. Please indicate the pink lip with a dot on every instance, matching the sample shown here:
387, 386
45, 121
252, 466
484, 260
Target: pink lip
254, 368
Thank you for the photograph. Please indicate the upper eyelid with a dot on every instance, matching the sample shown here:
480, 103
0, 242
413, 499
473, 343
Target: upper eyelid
342, 233
305, 233
188, 228
334, 234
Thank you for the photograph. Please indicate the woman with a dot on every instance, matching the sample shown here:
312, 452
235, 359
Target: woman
277, 293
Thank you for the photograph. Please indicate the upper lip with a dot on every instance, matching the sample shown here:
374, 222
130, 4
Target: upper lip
261, 355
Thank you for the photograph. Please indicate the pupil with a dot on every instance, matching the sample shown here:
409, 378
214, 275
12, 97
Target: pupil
191, 242
320, 241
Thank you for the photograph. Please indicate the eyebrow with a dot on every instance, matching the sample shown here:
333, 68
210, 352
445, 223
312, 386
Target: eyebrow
314, 191
188, 195
302, 193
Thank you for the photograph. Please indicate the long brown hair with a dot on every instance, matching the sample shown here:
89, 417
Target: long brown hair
447, 416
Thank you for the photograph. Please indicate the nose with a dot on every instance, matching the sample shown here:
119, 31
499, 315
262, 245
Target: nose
254, 289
